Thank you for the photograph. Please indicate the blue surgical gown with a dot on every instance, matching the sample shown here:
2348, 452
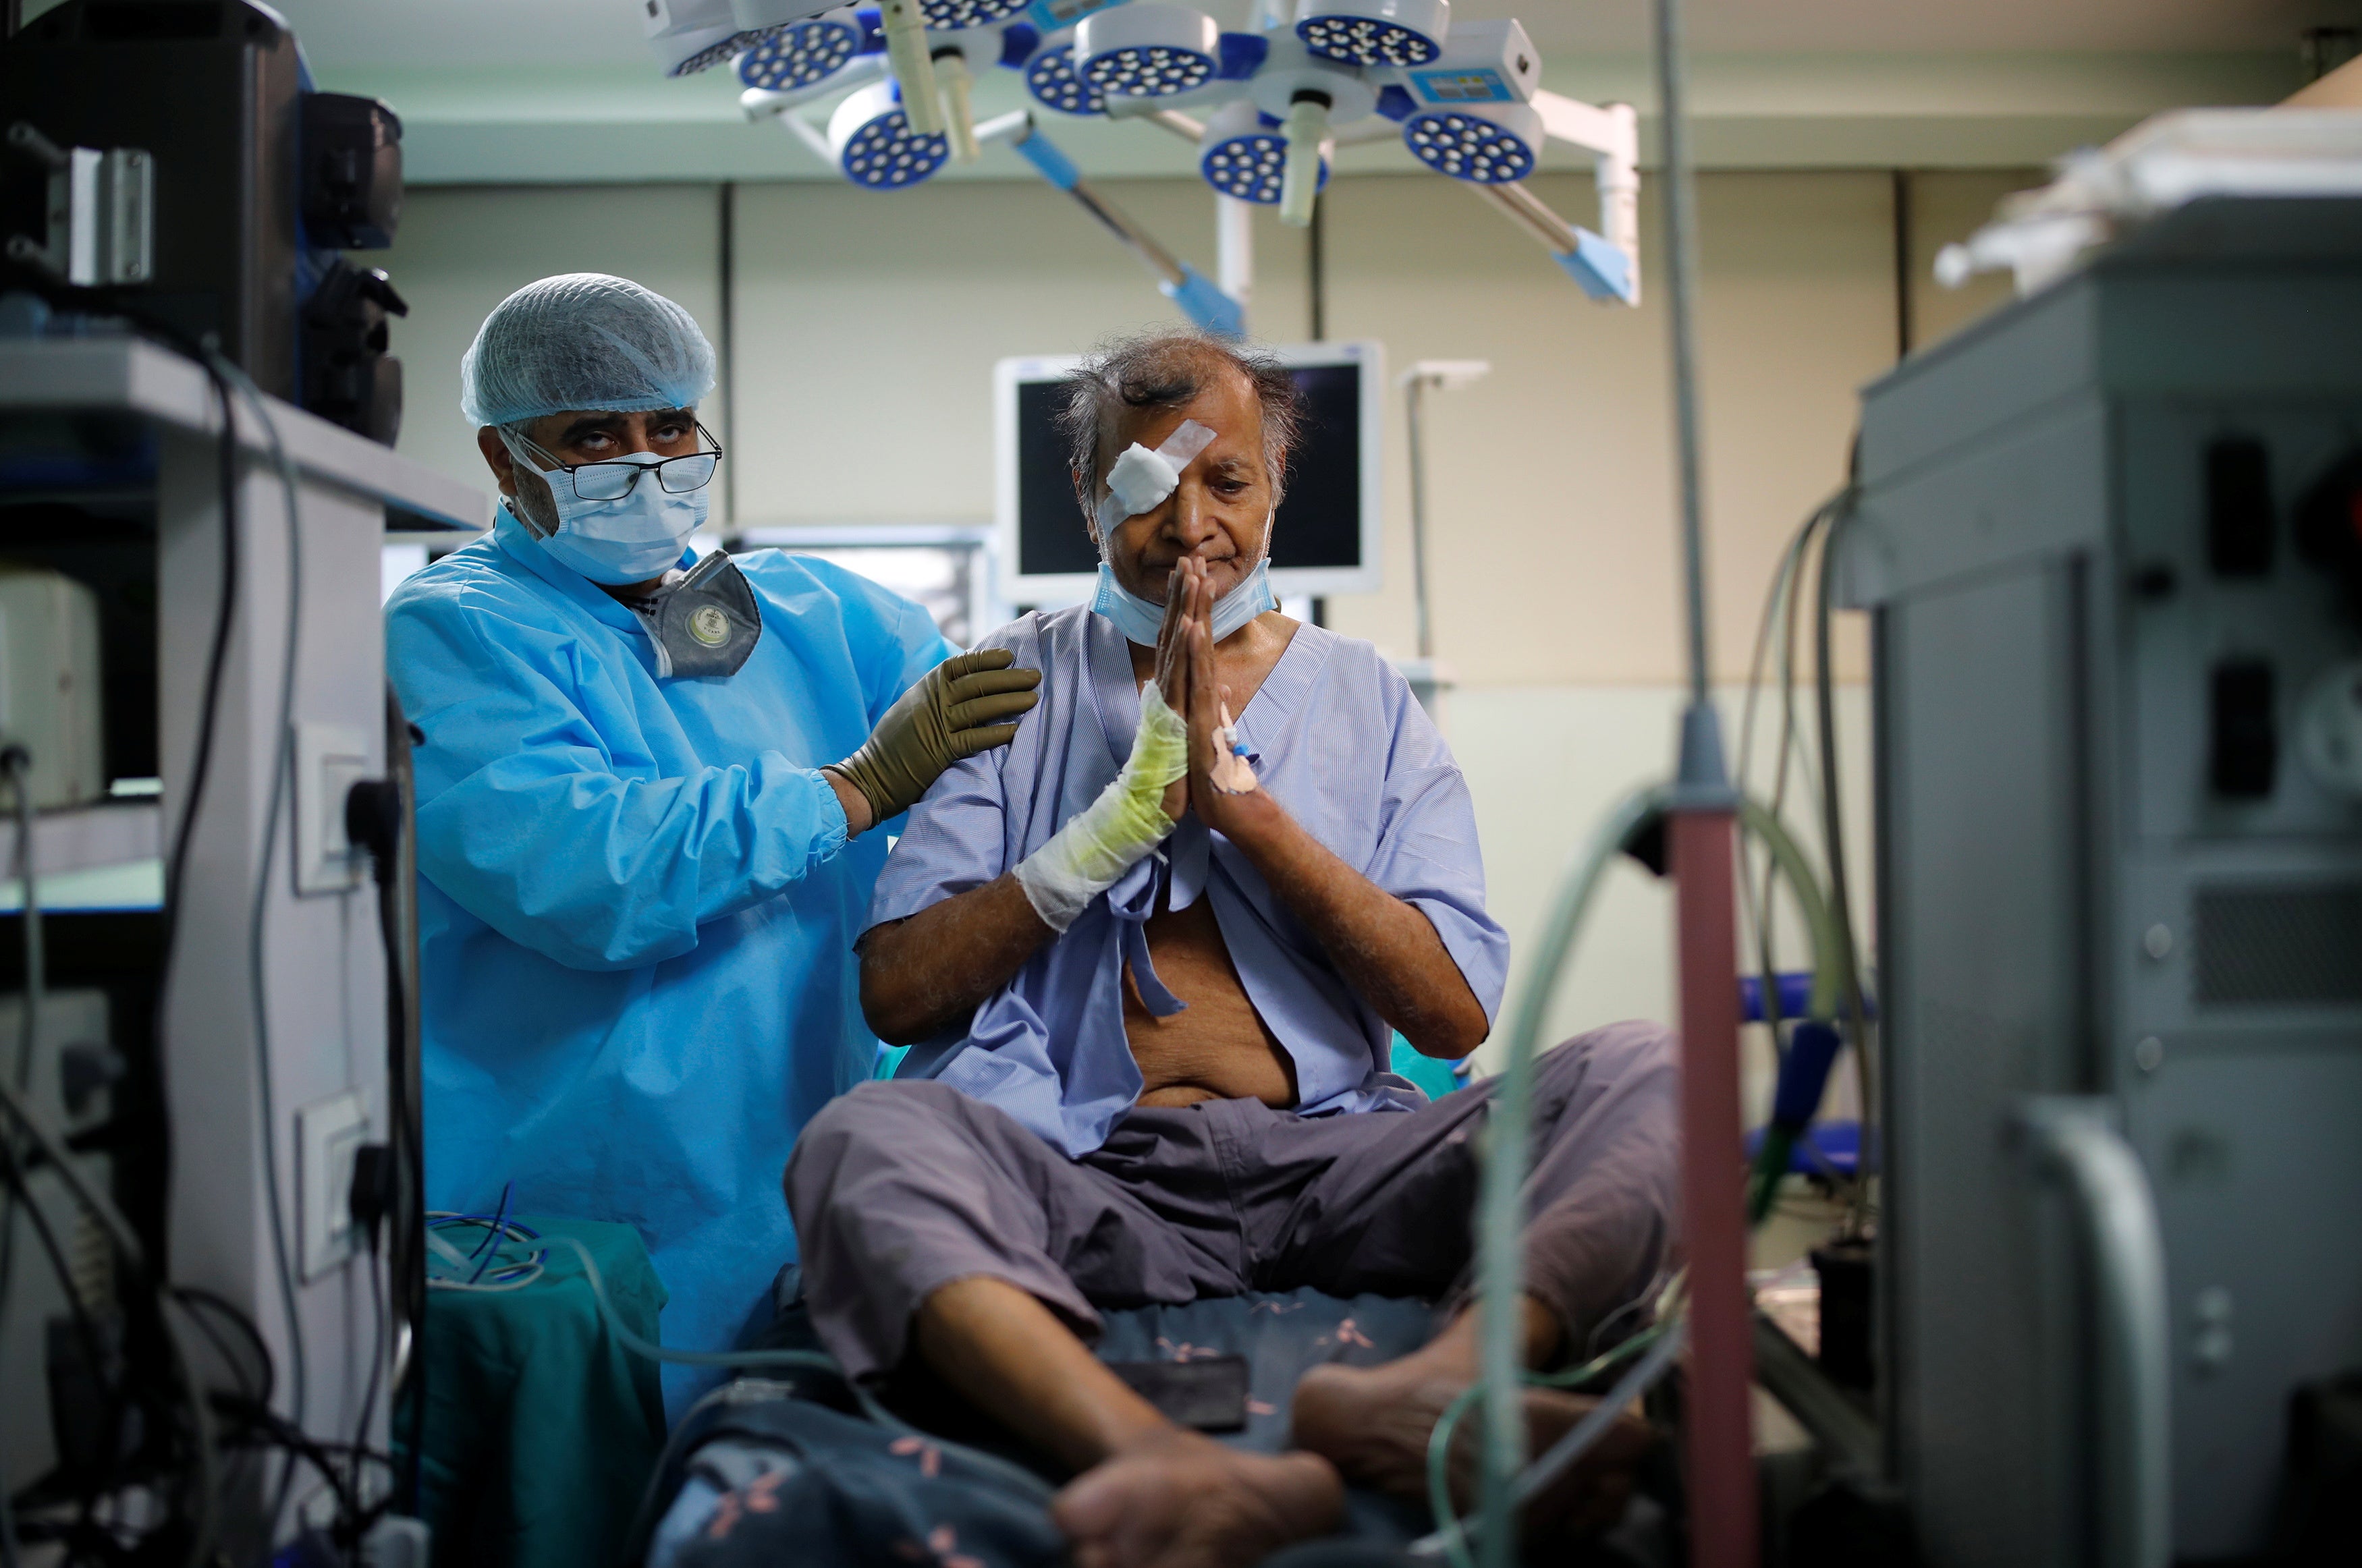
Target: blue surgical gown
637, 903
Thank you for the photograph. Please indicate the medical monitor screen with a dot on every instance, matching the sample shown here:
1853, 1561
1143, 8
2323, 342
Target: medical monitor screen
1326, 520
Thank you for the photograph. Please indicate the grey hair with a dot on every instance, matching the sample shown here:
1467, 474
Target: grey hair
1167, 369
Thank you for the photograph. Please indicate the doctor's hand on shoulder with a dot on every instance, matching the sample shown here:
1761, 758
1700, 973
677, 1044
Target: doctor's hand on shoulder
968, 703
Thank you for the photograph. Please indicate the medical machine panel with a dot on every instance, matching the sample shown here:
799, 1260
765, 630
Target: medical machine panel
1324, 538
2112, 538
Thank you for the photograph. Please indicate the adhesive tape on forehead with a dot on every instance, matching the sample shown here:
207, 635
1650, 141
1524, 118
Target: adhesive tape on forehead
1142, 479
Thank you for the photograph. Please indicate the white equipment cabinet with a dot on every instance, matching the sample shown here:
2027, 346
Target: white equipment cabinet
323, 970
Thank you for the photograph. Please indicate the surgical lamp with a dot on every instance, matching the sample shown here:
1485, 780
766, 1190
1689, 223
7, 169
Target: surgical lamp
1472, 116
806, 53
1050, 76
1149, 49
956, 16
1240, 156
872, 141
1491, 148
1374, 32
1199, 298
1268, 108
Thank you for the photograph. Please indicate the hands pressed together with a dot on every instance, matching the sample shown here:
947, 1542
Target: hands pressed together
971, 702
1185, 675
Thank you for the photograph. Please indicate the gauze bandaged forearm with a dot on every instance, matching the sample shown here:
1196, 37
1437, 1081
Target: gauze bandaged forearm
1110, 835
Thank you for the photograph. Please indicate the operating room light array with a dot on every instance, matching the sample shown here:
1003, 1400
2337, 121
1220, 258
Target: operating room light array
885, 154
1458, 92
1247, 166
1267, 107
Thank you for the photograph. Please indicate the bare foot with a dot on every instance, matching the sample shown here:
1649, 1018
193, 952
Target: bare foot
1186, 1501
1373, 1424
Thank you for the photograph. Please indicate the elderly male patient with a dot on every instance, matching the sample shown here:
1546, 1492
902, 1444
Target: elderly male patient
1149, 957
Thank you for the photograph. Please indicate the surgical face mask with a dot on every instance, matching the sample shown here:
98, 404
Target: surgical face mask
630, 539
1139, 621
1139, 482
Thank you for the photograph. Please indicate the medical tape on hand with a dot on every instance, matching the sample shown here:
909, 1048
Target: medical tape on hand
1111, 834
1142, 479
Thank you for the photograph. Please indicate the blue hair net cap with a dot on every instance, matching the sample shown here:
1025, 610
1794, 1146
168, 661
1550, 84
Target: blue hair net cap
583, 340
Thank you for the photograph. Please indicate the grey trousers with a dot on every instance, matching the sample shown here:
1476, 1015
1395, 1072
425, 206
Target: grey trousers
903, 1187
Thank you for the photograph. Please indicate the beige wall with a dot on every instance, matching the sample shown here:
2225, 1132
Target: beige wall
866, 326
1554, 546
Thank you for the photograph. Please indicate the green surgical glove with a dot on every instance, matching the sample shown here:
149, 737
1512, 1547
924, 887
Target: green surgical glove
964, 705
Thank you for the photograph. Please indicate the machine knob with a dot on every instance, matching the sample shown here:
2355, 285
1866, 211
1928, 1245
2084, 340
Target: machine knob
2329, 729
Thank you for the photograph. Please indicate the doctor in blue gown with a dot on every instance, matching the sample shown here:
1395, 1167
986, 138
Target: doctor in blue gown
643, 793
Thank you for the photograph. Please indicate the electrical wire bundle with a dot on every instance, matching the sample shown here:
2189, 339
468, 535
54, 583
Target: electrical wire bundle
481, 1267
1837, 991
1636, 827
174, 1431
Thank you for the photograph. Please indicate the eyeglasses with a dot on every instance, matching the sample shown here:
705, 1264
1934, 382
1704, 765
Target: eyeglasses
614, 480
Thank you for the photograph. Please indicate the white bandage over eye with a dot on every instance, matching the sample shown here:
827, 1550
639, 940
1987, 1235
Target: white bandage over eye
1142, 479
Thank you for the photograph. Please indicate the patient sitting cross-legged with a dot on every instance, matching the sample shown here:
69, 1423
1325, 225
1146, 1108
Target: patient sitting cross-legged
1149, 957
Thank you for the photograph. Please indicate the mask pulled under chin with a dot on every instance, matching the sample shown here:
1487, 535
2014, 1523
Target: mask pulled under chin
1139, 621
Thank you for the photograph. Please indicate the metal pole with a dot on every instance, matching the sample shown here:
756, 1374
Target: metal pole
1906, 293
1521, 207
1418, 516
1718, 1413
1681, 265
1316, 268
1234, 252
1157, 259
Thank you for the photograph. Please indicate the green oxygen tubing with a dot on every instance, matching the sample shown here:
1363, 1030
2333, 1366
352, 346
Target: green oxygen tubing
1501, 1204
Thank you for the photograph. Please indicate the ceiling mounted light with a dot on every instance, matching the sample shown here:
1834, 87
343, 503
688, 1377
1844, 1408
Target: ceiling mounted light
1492, 144
950, 15
1148, 50
1373, 33
1240, 156
1050, 77
803, 53
870, 139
